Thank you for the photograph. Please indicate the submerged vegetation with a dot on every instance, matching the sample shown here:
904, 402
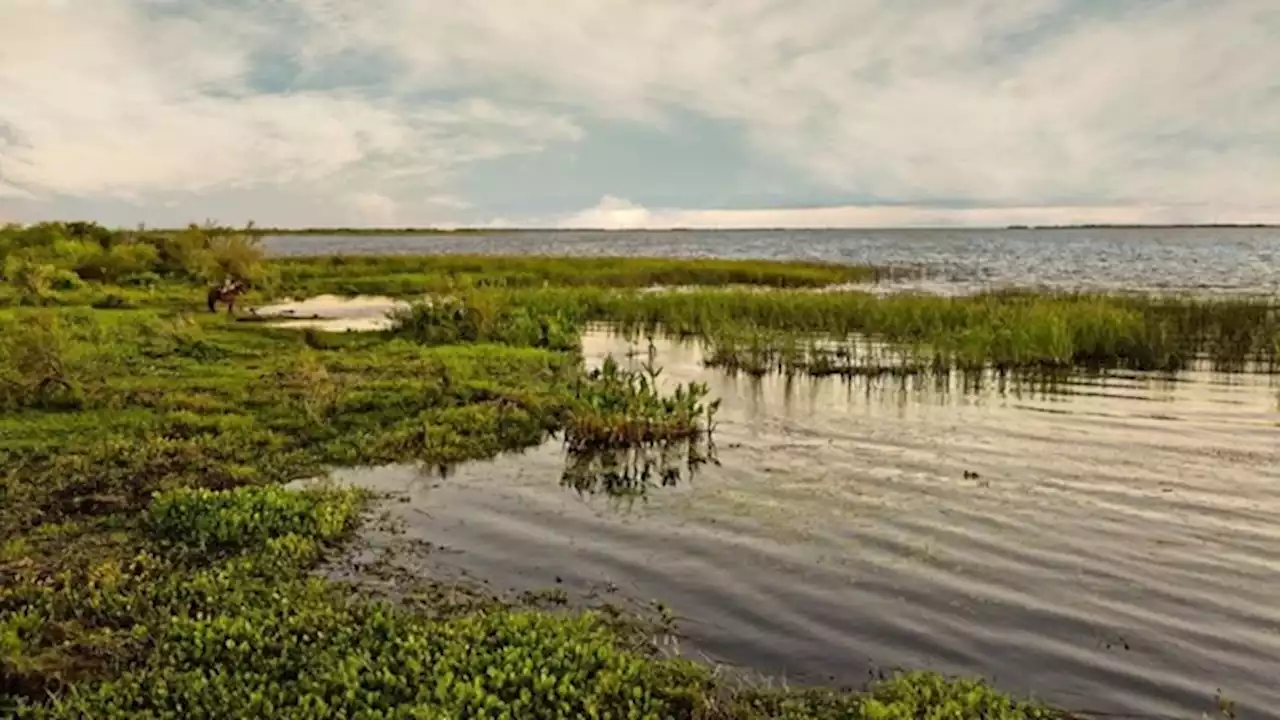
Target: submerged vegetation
153, 564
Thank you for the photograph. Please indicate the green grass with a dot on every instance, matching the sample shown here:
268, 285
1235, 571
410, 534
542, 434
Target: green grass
415, 275
1002, 330
80, 264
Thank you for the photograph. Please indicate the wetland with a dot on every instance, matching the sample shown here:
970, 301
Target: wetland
997, 503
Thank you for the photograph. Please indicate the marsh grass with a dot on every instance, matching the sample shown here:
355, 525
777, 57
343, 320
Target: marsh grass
1007, 330
401, 275
616, 408
474, 318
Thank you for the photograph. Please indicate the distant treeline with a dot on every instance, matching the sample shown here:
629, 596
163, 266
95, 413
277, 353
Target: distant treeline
1139, 226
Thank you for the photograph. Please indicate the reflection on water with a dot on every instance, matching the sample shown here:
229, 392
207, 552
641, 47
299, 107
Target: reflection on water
1108, 543
630, 473
333, 313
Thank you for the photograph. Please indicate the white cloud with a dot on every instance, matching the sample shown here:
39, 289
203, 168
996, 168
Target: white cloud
614, 214
988, 101
618, 214
374, 209
1042, 106
98, 100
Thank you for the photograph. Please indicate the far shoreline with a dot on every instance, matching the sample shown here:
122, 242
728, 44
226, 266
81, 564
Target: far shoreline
490, 231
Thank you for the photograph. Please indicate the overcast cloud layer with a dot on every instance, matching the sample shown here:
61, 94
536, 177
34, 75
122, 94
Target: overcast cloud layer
618, 113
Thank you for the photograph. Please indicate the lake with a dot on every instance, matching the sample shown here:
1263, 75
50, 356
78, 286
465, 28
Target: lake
1203, 260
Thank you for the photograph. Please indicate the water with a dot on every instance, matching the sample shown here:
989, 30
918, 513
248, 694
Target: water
1116, 551
1204, 260
331, 313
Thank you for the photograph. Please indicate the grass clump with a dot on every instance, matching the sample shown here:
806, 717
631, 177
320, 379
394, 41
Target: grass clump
617, 408
450, 321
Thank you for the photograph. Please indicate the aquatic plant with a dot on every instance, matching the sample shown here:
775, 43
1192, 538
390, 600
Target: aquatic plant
245, 632
470, 319
618, 408
1008, 330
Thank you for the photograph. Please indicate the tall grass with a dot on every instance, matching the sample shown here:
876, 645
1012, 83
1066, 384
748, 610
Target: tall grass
352, 274
1001, 330
480, 318
618, 408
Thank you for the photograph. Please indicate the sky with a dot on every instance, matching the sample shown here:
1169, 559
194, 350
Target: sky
640, 113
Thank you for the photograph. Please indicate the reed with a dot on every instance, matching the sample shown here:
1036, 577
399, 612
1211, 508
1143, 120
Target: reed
1001, 330
616, 408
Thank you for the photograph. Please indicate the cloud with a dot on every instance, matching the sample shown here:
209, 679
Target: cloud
375, 209
930, 110
101, 100
619, 214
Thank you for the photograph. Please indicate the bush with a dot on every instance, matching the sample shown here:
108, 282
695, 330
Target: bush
36, 362
33, 257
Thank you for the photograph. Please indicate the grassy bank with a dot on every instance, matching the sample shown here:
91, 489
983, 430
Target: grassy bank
414, 275
84, 264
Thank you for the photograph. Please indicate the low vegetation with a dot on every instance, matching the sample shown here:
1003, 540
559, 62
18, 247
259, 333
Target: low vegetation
414, 275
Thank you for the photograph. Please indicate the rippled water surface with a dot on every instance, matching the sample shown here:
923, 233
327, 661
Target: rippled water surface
1211, 260
1118, 548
